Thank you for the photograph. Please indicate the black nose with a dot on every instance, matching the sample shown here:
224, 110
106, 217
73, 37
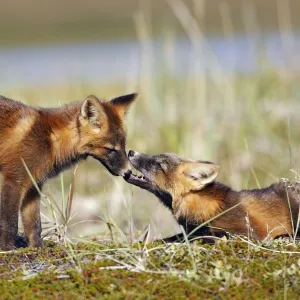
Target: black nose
131, 153
127, 174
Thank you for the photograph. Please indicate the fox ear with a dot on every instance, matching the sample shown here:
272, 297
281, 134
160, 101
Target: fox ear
201, 173
123, 103
92, 110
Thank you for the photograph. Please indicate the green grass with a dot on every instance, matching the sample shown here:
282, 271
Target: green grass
231, 268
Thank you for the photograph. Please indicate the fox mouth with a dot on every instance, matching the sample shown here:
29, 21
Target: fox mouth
103, 162
134, 178
140, 181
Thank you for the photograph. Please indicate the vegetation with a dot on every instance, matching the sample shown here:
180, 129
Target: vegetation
234, 268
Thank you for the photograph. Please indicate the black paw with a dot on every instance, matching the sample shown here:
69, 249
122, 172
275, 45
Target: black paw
21, 241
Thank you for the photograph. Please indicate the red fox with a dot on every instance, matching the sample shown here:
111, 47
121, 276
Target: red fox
47, 141
188, 188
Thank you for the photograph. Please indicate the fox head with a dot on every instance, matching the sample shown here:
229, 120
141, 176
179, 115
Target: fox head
168, 173
102, 131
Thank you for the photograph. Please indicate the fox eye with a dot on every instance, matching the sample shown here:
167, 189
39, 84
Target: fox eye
110, 149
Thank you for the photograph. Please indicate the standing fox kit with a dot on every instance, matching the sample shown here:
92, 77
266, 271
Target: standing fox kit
188, 189
48, 141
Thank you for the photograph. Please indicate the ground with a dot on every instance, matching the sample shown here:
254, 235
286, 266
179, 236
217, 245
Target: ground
232, 268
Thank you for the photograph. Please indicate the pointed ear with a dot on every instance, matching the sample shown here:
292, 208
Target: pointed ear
201, 173
92, 111
123, 103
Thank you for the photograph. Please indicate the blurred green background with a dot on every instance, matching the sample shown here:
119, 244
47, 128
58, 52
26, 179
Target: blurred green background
218, 80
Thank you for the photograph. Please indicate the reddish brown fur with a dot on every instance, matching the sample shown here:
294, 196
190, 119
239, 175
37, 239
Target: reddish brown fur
189, 190
260, 214
48, 141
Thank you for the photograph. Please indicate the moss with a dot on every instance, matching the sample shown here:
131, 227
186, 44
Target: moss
228, 269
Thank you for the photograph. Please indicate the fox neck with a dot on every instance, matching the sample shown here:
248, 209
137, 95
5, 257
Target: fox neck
65, 143
199, 206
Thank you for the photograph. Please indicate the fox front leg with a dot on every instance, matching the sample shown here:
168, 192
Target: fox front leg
9, 210
31, 218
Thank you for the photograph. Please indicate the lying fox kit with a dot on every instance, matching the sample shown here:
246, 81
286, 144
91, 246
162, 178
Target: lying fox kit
47, 141
188, 188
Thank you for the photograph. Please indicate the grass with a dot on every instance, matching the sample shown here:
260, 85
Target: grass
231, 268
